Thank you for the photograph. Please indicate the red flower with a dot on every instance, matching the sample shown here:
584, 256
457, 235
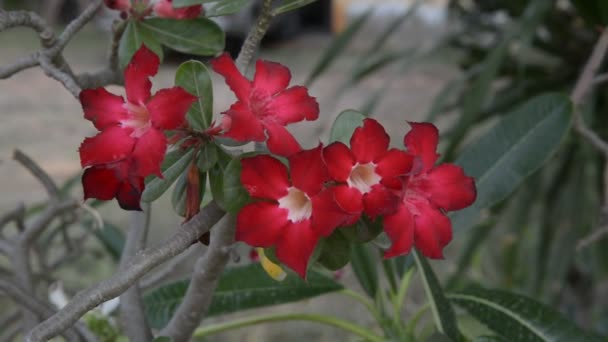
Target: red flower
132, 130
114, 180
119, 5
265, 105
428, 191
287, 212
369, 167
164, 9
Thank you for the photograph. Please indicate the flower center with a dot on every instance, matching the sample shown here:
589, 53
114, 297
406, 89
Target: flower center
297, 203
363, 177
258, 102
139, 119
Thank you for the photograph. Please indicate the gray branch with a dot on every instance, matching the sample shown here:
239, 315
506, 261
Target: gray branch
255, 36
36, 171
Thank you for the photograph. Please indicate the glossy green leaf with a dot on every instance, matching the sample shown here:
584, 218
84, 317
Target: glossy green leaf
226, 7
335, 251
510, 151
519, 318
364, 262
290, 5
173, 166
194, 77
131, 40
208, 157
344, 126
235, 195
239, 288
443, 314
199, 36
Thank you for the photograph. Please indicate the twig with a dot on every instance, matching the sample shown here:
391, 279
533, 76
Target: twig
16, 214
75, 26
255, 37
207, 272
64, 78
22, 63
122, 280
44, 178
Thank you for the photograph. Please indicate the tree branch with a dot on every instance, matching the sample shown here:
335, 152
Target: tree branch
207, 272
255, 37
122, 280
36, 171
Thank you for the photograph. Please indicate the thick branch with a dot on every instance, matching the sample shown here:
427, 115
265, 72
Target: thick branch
255, 37
22, 63
207, 272
75, 26
122, 280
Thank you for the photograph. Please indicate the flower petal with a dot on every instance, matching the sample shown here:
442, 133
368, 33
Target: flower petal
129, 194
295, 247
164, 9
335, 206
137, 75
394, 163
168, 107
369, 142
380, 201
224, 65
100, 182
264, 177
448, 187
433, 230
293, 105
102, 108
270, 77
240, 124
149, 153
280, 141
261, 224
421, 141
120, 5
400, 228
339, 161
308, 172
110, 145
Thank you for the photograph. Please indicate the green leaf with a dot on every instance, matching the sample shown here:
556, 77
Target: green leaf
178, 197
364, 263
595, 12
239, 288
172, 167
131, 40
335, 251
443, 314
235, 195
163, 339
519, 318
344, 126
111, 237
194, 77
290, 5
208, 157
337, 46
226, 7
199, 36
186, 3
510, 151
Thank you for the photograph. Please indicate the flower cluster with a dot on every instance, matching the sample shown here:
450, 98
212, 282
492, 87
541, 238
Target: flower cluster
131, 143
162, 8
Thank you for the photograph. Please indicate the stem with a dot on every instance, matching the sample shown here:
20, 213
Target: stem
363, 300
416, 318
327, 320
403, 287
255, 37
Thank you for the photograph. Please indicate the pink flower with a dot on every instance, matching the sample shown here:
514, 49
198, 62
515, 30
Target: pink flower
427, 193
287, 211
164, 9
132, 130
265, 105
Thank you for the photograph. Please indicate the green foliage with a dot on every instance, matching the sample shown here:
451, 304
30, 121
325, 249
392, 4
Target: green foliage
173, 166
199, 36
344, 126
194, 77
335, 251
290, 5
363, 262
111, 237
134, 36
234, 194
226, 7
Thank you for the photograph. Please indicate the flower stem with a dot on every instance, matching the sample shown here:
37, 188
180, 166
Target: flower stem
255, 37
327, 320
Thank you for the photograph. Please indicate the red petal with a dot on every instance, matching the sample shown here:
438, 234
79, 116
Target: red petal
264, 177
433, 231
421, 141
110, 145
334, 207
400, 229
149, 153
103, 108
296, 245
339, 161
224, 65
129, 194
447, 187
308, 172
120, 5
100, 182
240, 124
261, 224
394, 163
280, 141
369, 142
168, 107
293, 105
164, 9
137, 75
270, 77
380, 201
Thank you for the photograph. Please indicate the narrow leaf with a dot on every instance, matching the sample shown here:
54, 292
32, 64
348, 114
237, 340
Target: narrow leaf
208, 157
290, 5
186, 3
344, 126
194, 77
199, 36
235, 195
364, 263
226, 7
174, 165
132, 39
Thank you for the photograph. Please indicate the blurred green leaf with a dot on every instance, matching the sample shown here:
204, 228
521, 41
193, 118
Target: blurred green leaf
364, 263
163, 339
510, 151
132, 39
208, 157
199, 36
178, 197
111, 237
519, 318
226, 7
235, 195
239, 288
194, 77
172, 167
290, 5
443, 314
186, 3
335, 251
344, 126
595, 12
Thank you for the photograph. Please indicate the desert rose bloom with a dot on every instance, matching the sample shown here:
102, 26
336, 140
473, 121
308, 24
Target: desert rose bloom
164, 9
369, 167
119, 5
265, 105
114, 180
132, 130
427, 193
286, 211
